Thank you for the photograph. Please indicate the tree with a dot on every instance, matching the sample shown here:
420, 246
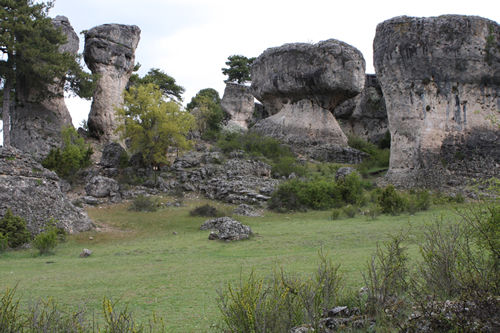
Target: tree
166, 83
29, 43
152, 124
206, 108
239, 69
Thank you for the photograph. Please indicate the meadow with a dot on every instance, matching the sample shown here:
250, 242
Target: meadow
160, 262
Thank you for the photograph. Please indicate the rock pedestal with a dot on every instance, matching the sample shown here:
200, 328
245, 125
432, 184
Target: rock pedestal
300, 84
238, 102
109, 52
440, 78
36, 125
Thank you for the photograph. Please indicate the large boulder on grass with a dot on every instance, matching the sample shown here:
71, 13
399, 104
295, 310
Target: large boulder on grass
225, 228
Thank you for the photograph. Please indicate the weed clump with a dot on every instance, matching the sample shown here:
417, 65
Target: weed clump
45, 242
143, 203
205, 211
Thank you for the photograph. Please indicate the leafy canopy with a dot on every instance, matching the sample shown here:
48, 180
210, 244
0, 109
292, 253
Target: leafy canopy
239, 69
152, 124
167, 85
206, 108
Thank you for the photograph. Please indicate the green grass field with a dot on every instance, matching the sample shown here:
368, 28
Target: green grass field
139, 261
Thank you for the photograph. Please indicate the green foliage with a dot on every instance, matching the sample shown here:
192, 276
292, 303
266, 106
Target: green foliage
335, 214
281, 302
350, 211
10, 318
75, 155
4, 242
143, 203
372, 211
165, 83
391, 201
153, 125
206, 108
287, 165
316, 193
378, 159
239, 69
205, 210
46, 241
14, 228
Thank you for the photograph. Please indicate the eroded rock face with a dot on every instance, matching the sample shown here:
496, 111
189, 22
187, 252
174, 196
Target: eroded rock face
36, 125
441, 81
238, 102
365, 115
109, 52
300, 84
227, 229
34, 193
302, 124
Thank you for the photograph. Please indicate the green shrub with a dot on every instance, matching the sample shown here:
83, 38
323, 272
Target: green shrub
281, 302
351, 188
4, 243
73, 156
372, 211
378, 159
335, 214
14, 228
205, 210
143, 203
350, 211
46, 241
391, 201
286, 165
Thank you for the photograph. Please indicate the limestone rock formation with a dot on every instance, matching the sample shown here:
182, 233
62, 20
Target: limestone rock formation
365, 115
36, 125
238, 102
300, 84
441, 82
109, 52
34, 193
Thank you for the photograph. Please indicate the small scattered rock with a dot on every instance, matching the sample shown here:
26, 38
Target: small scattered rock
225, 228
246, 210
85, 253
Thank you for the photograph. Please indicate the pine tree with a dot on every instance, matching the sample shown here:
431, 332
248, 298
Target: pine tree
29, 43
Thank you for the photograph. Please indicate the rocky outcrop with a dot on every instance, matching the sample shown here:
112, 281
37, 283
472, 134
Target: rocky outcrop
36, 124
440, 79
227, 229
110, 53
365, 115
238, 102
300, 84
113, 155
33, 192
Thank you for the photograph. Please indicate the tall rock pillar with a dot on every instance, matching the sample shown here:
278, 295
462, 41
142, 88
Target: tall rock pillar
440, 77
36, 125
110, 53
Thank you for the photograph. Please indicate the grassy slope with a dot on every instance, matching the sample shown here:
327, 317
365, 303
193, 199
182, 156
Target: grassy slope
140, 262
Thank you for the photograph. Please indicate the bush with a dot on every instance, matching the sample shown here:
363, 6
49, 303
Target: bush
379, 158
351, 188
281, 302
205, 210
350, 211
3, 242
391, 202
287, 165
143, 203
14, 228
372, 211
335, 214
46, 241
74, 155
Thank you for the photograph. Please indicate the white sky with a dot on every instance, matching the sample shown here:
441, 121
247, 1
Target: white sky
191, 39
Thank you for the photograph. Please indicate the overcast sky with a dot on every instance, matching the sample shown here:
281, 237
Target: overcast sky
191, 39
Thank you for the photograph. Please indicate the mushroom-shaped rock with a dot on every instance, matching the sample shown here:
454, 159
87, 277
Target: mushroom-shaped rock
327, 73
36, 125
109, 52
441, 82
300, 84
238, 102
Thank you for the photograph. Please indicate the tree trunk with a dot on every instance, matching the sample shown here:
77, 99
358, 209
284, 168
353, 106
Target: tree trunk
6, 112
